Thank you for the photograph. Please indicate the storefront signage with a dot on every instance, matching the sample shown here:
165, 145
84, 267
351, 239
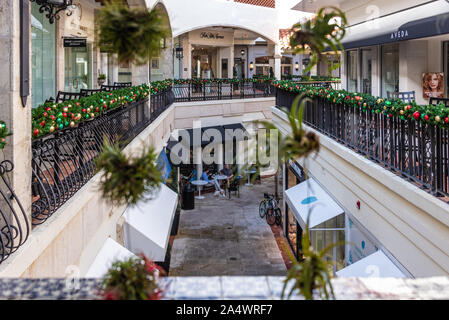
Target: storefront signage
399, 35
210, 35
74, 43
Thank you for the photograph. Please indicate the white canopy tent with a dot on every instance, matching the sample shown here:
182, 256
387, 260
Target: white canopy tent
308, 196
109, 253
148, 224
375, 265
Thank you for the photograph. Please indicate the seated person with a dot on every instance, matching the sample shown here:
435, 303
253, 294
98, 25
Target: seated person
192, 176
206, 177
226, 171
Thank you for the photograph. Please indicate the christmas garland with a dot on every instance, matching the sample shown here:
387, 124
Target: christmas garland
428, 114
51, 117
3, 134
310, 79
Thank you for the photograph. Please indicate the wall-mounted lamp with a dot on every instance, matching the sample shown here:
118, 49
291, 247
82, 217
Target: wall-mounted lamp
179, 53
53, 7
242, 52
297, 66
251, 66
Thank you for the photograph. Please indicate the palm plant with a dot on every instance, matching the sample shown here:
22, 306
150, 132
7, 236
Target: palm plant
133, 33
311, 274
127, 180
326, 29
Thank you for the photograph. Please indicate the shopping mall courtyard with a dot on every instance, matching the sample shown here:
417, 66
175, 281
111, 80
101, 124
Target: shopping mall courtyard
223, 236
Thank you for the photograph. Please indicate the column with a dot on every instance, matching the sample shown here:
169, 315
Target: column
219, 149
277, 62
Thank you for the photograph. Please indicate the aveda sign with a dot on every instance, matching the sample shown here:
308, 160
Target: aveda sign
399, 35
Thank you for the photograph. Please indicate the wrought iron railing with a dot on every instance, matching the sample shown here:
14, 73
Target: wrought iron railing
417, 151
14, 225
64, 161
222, 91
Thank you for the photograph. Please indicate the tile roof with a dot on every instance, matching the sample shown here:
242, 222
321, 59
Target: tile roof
260, 3
284, 38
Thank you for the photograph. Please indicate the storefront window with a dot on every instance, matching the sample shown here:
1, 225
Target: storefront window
352, 71
366, 69
358, 245
327, 233
204, 62
292, 228
78, 68
390, 69
43, 57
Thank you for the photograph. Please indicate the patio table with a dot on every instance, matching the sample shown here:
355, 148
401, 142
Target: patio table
249, 173
199, 184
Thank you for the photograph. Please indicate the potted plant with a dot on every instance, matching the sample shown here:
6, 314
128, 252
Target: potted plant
134, 279
101, 79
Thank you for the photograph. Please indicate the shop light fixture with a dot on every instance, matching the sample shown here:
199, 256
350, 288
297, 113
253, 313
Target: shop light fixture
297, 66
52, 8
179, 53
251, 66
242, 52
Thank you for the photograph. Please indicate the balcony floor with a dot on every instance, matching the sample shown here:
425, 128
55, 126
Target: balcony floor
227, 237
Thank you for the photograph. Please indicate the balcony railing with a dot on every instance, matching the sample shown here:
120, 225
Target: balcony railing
417, 151
14, 225
64, 161
221, 91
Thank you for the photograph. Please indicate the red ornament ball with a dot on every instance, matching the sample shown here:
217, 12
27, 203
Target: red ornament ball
426, 117
446, 120
36, 132
416, 115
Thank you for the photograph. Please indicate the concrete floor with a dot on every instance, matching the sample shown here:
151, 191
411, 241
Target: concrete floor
227, 237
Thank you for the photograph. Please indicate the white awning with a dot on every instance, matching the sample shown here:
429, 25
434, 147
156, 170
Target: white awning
109, 253
309, 196
148, 224
375, 265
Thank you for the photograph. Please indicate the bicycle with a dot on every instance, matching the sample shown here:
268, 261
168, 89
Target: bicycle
269, 209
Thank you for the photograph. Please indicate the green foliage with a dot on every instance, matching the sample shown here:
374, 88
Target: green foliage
426, 114
101, 76
298, 143
133, 33
4, 132
132, 279
51, 117
127, 180
311, 274
315, 35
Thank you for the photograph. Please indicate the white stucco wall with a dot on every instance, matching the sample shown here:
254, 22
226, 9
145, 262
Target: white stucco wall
409, 223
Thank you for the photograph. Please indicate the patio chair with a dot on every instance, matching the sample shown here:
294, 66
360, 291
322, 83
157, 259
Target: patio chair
234, 185
406, 96
436, 101
65, 96
122, 84
89, 92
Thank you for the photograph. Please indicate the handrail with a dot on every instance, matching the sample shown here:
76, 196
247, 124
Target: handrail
64, 160
14, 225
416, 150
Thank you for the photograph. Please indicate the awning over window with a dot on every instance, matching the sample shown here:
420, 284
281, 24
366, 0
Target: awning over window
148, 224
375, 265
421, 21
308, 196
109, 253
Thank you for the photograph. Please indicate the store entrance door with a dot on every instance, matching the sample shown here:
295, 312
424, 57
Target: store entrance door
78, 68
239, 68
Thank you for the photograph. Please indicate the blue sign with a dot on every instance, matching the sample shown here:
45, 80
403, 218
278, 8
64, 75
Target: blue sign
309, 200
163, 164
